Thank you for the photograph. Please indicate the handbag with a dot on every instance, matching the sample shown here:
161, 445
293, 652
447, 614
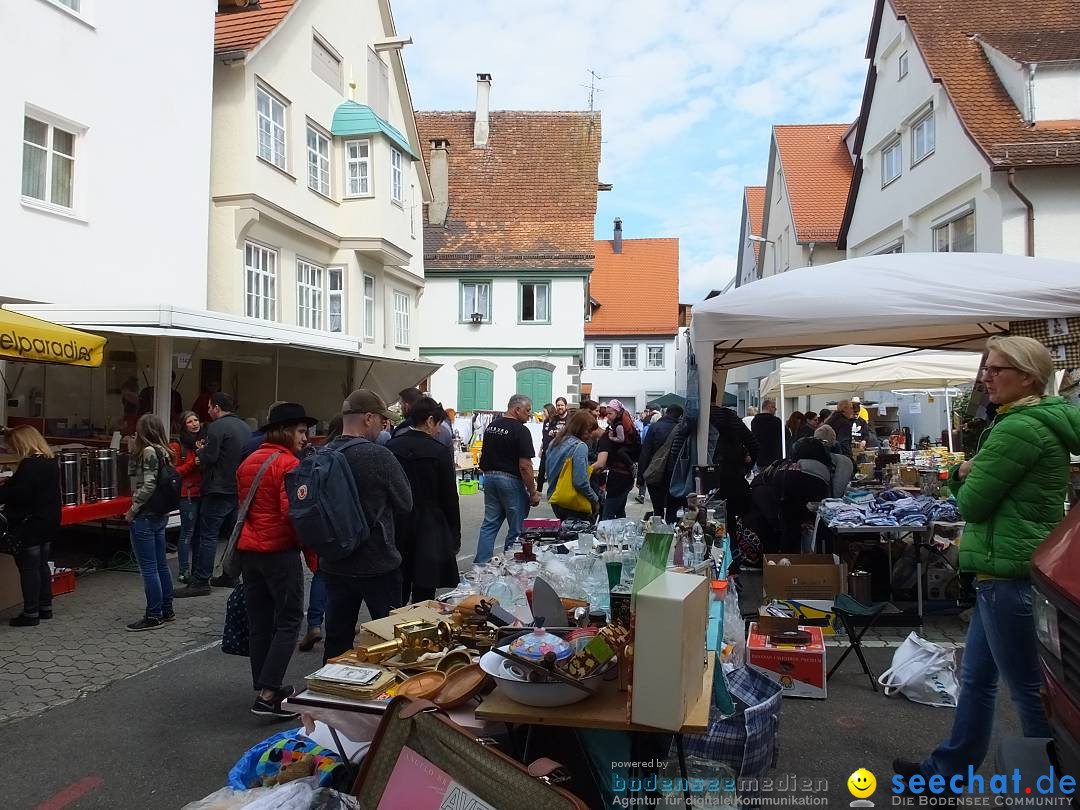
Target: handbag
165, 498
923, 672
230, 560
11, 536
565, 495
234, 635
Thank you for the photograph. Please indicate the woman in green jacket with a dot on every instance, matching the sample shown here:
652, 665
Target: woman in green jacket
1012, 495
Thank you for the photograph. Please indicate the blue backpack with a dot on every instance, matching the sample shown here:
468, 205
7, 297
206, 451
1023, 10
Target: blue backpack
324, 506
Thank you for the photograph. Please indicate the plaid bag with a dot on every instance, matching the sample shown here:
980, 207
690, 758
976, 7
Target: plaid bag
747, 741
234, 636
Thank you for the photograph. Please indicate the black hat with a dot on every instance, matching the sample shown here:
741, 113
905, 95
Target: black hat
287, 413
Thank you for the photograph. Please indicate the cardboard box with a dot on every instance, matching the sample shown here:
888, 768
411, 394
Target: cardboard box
800, 670
671, 615
810, 576
811, 612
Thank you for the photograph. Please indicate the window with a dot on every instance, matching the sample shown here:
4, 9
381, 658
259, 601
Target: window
271, 115
395, 176
48, 170
369, 307
894, 247
309, 294
260, 299
325, 63
534, 302
923, 137
335, 299
628, 356
401, 319
476, 298
655, 358
318, 161
74, 5
357, 168
901, 66
891, 158
412, 211
956, 236
602, 357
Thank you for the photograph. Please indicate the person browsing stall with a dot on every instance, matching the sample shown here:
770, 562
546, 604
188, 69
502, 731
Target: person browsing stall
187, 464
570, 445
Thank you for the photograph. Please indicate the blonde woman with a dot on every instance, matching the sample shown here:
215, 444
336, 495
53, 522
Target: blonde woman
31, 500
148, 527
1011, 495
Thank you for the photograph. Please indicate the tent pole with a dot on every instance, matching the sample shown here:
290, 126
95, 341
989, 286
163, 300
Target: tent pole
948, 418
783, 419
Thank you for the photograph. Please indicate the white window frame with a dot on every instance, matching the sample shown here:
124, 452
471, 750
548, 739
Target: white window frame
902, 66
397, 177
466, 313
52, 155
947, 227
521, 302
310, 281
362, 178
596, 357
623, 348
897, 146
336, 294
318, 160
930, 125
369, 307
402, 307
896, 246
260, 303
278, 154
649, 356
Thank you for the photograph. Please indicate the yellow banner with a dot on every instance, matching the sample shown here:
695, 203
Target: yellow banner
37, 341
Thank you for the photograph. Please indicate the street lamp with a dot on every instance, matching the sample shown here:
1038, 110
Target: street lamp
763, 240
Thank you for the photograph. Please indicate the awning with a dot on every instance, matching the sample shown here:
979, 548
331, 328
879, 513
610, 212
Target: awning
852, 375
34, 340
388, 377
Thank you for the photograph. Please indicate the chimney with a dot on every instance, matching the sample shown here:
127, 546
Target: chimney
616, 242
440, 179
482, 127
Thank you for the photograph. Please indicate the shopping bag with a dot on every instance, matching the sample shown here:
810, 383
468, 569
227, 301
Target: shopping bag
923, 672
565, 495
234, 636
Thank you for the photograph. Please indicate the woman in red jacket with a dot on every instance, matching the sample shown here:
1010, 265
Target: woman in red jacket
187, 464
270, 557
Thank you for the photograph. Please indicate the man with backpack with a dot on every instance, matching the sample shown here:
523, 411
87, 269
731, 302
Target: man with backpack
657, 448
218, 458
371, 572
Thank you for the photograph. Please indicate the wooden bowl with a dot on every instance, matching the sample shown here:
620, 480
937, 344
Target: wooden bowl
422, 685
461, 685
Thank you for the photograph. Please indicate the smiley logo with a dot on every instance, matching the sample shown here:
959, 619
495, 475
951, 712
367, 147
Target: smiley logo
862, 783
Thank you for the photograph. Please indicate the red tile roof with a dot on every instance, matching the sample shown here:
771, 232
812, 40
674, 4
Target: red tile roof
946, 34
817, 170
526, 200
755, 206
244, 29
1036, 46
638, 289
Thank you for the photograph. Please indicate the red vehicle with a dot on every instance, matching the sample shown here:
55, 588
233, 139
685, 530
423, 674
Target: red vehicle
1056, 578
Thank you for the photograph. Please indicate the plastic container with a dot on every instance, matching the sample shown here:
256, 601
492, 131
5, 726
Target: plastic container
468, 487
63, 582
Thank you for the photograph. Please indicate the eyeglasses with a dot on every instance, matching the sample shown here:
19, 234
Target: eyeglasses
993, 371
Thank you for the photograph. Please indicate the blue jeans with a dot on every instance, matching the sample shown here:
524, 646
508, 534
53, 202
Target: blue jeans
189, 532
217, 514
1000, 639
316, 605
615, 506
505, 498
148, 543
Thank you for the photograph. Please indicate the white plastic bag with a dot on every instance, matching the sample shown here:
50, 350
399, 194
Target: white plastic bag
923, 672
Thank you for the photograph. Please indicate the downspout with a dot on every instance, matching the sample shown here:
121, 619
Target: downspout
811, 259
1030, 212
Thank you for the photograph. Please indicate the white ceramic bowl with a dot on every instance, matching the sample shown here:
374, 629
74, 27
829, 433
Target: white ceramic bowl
534, 694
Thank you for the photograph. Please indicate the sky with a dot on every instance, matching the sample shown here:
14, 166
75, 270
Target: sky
690, 90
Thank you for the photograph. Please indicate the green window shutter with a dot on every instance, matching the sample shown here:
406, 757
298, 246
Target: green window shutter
535, 383
475, 389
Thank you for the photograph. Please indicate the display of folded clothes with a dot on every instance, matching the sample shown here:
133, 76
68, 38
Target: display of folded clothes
893, 507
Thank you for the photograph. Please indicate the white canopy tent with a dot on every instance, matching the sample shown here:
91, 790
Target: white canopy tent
942, 301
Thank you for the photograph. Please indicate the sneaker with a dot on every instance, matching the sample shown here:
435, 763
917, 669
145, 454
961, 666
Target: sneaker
223, 581
310, 639
146, 623
192, 590
168, 616
284, 692
22, 620
263, 708
44, 614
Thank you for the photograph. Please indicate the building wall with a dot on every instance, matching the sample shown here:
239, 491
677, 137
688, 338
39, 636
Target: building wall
634, 386
1053, 194
140, 107
253, 199
565, 375
747, 267
781, 252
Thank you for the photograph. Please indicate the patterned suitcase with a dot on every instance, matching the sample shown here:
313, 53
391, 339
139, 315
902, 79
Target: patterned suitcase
421, 760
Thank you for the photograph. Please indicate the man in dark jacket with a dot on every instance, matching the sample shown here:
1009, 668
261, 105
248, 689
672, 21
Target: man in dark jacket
768, 430
655, 439
218, 459
371, 574
736, 452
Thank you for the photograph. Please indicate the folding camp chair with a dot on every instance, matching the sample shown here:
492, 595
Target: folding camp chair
857, 619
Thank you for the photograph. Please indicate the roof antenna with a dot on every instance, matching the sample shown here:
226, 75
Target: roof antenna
593, 89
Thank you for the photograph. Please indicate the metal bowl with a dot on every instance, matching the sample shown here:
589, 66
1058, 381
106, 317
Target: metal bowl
512, 681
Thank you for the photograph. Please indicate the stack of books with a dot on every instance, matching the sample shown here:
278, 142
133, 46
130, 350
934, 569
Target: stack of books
351, 681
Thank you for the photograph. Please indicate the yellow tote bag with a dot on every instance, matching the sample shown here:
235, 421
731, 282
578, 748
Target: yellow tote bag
565, 495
